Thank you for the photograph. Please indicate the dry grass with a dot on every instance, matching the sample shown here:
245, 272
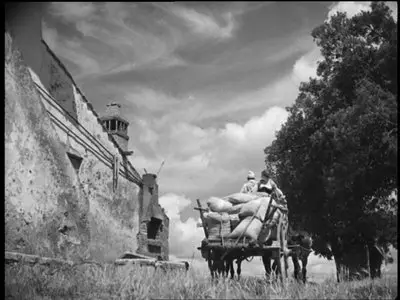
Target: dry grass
129, 282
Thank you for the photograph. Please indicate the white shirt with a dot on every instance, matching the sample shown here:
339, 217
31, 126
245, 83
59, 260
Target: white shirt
249, 186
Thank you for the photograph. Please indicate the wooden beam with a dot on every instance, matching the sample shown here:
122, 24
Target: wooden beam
202, 218
201, 209
128, 153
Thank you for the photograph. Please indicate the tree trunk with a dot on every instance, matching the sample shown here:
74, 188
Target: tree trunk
352, 262
368, 260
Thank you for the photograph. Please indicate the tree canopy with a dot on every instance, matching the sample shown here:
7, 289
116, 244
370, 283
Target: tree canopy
336, 156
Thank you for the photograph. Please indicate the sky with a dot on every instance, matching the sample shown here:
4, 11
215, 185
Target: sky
204, 86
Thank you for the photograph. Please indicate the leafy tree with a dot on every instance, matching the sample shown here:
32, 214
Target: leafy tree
336, 156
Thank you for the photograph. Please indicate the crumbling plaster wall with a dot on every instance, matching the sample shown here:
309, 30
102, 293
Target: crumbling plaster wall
51, 210
113, 215
148, 206
41, 189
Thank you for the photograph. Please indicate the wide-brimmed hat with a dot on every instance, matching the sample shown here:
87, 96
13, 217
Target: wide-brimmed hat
251, 175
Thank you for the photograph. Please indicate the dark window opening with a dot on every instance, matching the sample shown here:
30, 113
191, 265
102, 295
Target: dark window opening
151, 189
154, 249
113, 125
153, 227
76, 161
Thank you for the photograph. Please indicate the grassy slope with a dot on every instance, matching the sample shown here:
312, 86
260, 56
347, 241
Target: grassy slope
109, 282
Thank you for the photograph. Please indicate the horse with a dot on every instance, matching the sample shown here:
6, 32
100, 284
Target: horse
279, 219
299, 253
219, 266
215, 263
229, 264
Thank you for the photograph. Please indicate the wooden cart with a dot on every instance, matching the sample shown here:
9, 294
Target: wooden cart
243, 249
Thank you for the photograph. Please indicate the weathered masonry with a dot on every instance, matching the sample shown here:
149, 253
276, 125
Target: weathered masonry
153, 232
70, 190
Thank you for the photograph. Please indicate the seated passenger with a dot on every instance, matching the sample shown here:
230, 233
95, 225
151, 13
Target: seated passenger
250, 184
267, 185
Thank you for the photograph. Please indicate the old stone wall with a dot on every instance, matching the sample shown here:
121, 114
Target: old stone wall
62, 196
113, 213
51, 208
55, 80
164, 238
45, 210
152, 214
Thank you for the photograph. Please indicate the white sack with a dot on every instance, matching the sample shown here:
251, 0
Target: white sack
238, 198
216, 223
252, 230
250, 208
225, 225
218, 205
235, 209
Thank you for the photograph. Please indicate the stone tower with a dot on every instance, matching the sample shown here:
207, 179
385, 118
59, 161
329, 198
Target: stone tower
116, 125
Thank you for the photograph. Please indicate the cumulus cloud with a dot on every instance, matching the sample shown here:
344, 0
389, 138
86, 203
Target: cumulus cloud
393, 6
306, 66
184, 237
351, 8
199, 159
204, 158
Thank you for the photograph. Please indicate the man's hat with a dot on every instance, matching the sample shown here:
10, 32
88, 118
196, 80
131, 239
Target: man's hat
251, 175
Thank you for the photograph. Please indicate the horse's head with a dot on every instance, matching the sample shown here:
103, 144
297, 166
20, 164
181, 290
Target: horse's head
306, 242
302, 240
389, 258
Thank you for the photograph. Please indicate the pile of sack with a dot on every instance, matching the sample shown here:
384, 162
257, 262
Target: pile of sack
232, 216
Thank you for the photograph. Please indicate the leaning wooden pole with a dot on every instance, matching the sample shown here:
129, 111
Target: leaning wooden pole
200, 209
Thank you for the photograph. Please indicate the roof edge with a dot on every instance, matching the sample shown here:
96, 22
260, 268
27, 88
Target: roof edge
90, 107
